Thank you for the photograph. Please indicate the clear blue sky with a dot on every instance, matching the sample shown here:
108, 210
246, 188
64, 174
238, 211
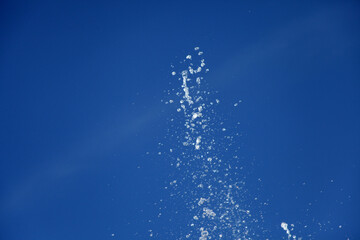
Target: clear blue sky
81, 84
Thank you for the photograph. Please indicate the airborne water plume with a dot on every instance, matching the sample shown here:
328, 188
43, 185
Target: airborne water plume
208, 180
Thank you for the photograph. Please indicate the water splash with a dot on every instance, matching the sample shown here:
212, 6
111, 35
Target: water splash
208, 182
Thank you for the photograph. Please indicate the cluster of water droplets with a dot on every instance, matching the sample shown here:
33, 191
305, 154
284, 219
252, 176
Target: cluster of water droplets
207, 179
286, 228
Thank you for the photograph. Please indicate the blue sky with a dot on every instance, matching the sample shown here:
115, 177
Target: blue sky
80, 98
